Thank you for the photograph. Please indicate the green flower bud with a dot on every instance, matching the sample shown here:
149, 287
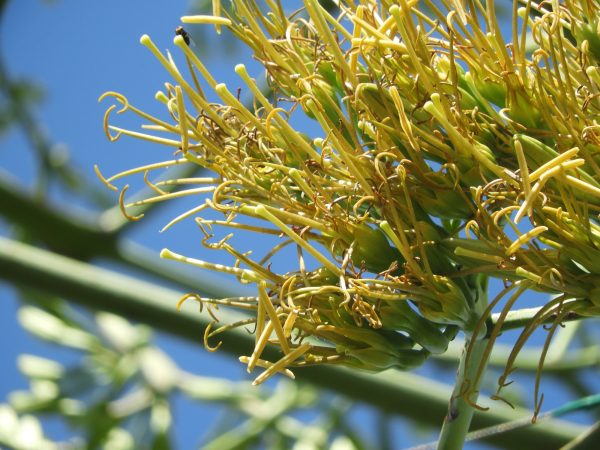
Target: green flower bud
400, 316
442, 203
521, 109
330, 74
467, 101
446, 303
351, 336
376, 100
587, 258
470, 171
439, 263
322, 276
371, 349
325, 97
591, 33
377, 360
372, 248
443, 68
487, 138
491, 91
587, 308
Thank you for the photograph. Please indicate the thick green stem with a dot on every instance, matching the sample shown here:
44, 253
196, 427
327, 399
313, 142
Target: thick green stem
464, 396
466, 389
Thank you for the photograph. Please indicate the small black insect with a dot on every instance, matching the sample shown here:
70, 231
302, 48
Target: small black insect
184, 34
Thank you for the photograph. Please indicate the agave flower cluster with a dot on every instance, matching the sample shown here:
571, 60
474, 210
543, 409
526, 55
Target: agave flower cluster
446, 156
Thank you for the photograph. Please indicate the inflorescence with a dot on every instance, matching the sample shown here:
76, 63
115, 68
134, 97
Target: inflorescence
446, 156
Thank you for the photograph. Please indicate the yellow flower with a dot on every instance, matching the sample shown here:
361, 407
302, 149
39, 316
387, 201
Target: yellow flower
417, 188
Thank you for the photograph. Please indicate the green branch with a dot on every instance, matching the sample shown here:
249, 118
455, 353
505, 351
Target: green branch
79, 237
403, 393
62, 231
522, 317
528, 358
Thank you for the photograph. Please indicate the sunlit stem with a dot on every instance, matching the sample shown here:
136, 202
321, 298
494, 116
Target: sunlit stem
466, 389
245, 274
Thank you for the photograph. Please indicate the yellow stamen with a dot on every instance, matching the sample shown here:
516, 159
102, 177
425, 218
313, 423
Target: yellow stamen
179, 41
262, 211
171, 195
525, 238
580, 184
152, 186
185, 215
282, 363
104, 180
182, 117
144, 136
122, 206
289, 323
266, 364
207, 332
552, 163
210, 20
263, 297
244, 274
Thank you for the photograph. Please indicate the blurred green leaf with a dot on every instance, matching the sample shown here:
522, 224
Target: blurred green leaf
119, 439
50, 328
37, 367
22, 433
159, 371
119, 333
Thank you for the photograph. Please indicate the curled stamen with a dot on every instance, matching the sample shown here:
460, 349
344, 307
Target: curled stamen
119, 97
152, 186
207, 335
122, 206
186, 297
107, 127
104, 180
269, 120
524, 238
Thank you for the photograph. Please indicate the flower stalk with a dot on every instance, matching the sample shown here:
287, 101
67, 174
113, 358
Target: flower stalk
461, 406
